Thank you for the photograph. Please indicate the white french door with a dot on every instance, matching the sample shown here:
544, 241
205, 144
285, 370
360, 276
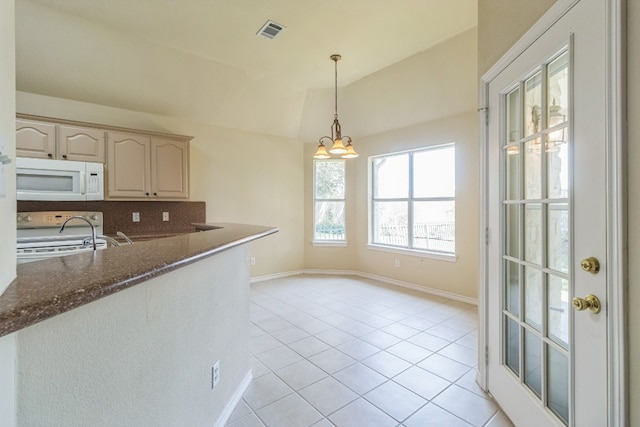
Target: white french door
548, 220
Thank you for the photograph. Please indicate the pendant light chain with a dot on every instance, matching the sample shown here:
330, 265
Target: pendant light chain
335, 63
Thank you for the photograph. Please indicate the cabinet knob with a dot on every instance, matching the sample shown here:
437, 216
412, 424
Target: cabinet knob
155, 194
146, 194
64, 156
49, 155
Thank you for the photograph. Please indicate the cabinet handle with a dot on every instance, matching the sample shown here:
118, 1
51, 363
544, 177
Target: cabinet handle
49, 155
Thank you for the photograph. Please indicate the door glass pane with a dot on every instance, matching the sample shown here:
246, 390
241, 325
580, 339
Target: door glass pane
558, 295
512, 345
558, 165
533, 104
558, 383
391, 223
514, 116
533, 297
533, 362
558, 236
532, 170
513, 230
558, 90
513, 288
533, 233
512, 179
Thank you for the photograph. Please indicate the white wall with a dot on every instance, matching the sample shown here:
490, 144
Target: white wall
8, 203
425, 100
63, 56
143, 356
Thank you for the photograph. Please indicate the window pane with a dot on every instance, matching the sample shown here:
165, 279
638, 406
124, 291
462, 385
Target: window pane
533, 362
390, 223
329, 179
558, 236
533, 104
558, 90
513, 116
558, 295
558, 381
533, 297
533, 233
329, 221
532, 170
512, 345
391, 177
512, 288
512, 180
434, 173
434, 225
512, 223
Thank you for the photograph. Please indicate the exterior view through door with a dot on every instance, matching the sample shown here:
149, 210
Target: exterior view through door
552, 256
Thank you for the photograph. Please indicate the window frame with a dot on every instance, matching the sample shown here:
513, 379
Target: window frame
410, 200
328, 242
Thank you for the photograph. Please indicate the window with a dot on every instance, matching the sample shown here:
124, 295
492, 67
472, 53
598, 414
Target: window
329, 200
413, 200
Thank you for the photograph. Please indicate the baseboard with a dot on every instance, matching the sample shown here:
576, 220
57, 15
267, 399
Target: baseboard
383, 279
420, 288
235, 399
275, 276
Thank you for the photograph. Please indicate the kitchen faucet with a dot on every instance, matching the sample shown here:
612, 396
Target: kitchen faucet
93, 229
125, 237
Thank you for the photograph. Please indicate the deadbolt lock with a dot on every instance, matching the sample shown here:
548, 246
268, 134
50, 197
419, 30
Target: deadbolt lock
590, 265
590, 302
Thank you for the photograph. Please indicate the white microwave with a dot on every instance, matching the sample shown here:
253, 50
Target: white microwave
44, 179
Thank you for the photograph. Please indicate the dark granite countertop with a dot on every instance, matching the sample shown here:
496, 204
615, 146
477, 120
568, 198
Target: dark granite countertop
44, 289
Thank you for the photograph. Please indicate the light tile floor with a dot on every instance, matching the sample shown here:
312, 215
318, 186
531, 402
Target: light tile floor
347, 351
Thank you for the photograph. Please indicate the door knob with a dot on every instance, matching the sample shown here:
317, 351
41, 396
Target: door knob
590, 302
590, 265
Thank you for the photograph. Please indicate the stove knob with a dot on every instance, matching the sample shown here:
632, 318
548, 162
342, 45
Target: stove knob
28, 218
19, 219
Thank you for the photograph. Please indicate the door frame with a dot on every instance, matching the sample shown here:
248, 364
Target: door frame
616, 201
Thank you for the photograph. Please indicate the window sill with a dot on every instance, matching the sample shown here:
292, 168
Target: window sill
330, 243
423, 254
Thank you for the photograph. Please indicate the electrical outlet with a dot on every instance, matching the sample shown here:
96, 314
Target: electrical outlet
215, 374
136, 217
252, 261
165, 216
397, 263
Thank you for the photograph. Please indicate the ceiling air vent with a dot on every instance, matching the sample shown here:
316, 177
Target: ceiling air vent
270, 29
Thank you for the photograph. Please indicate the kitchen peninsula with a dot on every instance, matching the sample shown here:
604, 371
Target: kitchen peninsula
129, 335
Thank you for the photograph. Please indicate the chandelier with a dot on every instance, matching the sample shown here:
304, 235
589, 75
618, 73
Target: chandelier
336, 138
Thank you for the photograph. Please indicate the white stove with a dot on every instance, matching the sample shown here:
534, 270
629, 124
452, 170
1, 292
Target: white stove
39, 234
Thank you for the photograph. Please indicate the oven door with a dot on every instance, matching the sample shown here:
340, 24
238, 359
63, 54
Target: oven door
41, 179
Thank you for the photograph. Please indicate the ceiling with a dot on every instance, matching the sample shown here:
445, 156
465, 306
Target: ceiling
369, 34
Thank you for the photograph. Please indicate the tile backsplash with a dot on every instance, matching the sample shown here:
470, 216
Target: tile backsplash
118, 215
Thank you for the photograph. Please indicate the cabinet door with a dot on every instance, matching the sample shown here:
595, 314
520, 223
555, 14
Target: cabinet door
128, 165
169, 168
81, 144
35, 139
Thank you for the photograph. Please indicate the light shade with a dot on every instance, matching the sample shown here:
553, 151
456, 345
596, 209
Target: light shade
321, 153
351, 152
338, 147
